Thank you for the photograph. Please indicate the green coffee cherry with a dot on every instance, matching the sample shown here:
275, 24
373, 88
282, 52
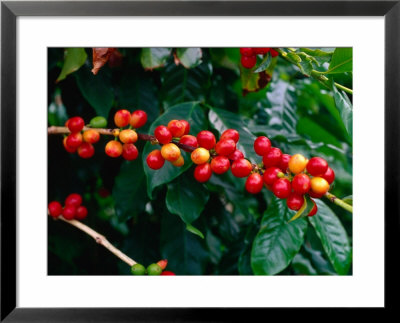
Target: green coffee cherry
138, 269
98, 122
154, 270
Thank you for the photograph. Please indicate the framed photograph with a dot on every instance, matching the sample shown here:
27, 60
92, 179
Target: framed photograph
221, 143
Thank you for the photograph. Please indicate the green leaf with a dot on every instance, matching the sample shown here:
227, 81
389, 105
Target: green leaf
222, 120
253, 82
190, 111
182, 85
96, 89
185, 251
333, 238
321, 56
264, 64
154, 57
345, 108
304, 210
128, 190
194, 230
316, 132
348, 199
189, 57
226, 57
303, 265
277, 242
342, 61
74, 58
186, 198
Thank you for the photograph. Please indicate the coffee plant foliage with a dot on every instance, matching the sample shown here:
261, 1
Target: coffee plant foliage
295, 98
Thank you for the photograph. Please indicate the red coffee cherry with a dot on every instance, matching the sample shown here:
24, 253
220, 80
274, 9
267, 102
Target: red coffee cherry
237, 154
200, 156
75, 124
85, 150
167, 273
55, 209
295, 201
271, 175
155, 160
129, 152
261, 51
317, 166
319, 185
247, 51
230, 134
113, 148
272, 157
254, 183
138, 119
170, 152
220, 164
122, 118
301, 183
74, 140
73, 199
281, 188
313, 210
91, 136
188, 140
329, 175
225, 147
128, 136
186, 125
284, 164
163, 135
176, 128
203, 172
273, 52
241, 168
248, 61
162, 263
68, 148
69, 212
81, 212
262, 145
206, 139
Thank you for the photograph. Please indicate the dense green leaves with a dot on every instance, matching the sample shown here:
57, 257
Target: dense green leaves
278, 241
342, 61
345, 108
193, 113
333, 237
74, 59
189, 57
154, 57
186, 198
96, 89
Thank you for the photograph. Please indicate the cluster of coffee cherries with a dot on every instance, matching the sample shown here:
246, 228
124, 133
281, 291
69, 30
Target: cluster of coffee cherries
290, 177
124, 141
154, 269
73, 208
249, 55
176, 130
79, 142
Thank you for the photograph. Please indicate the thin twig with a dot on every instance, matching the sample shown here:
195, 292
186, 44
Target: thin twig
100, 239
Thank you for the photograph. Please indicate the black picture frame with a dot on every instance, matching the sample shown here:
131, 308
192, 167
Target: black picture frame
10, 10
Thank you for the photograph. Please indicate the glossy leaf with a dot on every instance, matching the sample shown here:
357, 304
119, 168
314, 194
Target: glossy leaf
345, 107
320, 55
277, 242
154, 57
333, 237
253, 82
96, 89
187, 198
128, 191
191, 112
189, 57
74, 58
342, 61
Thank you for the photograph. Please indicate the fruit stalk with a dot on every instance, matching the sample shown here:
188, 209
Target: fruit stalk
339, 202
100, 239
